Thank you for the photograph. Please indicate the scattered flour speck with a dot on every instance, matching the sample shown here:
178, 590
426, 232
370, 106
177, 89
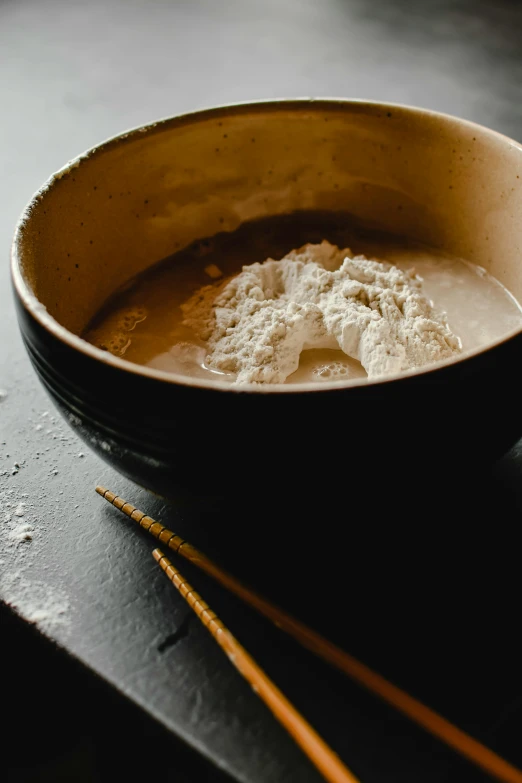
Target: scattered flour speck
34, 600
22, 532
44, 606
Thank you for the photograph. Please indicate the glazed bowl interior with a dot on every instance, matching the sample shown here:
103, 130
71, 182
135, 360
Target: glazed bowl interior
140, 197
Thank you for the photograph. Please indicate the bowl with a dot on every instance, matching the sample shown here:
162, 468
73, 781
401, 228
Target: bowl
137, 198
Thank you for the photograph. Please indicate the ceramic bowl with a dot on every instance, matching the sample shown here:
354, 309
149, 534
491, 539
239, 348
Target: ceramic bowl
139, 197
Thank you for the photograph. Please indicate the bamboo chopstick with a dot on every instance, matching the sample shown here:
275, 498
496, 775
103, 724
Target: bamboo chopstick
319, 753
424, 716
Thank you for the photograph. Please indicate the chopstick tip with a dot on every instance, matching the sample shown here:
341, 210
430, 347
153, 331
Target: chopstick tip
157, 555
101, 490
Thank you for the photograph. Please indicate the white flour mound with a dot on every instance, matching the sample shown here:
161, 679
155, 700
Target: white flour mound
257, 323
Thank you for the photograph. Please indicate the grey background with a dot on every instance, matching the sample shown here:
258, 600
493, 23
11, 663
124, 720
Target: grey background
72, 74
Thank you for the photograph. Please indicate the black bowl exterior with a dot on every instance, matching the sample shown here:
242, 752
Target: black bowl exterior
193, 443
137, 198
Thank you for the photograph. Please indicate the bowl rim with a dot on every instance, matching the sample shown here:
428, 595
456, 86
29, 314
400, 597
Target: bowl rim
40, 314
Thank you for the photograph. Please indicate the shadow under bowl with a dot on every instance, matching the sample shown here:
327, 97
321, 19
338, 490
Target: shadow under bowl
122, 206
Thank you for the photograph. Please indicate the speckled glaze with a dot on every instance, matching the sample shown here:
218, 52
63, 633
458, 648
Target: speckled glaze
141, 196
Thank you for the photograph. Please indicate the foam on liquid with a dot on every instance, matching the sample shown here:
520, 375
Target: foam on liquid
143, 322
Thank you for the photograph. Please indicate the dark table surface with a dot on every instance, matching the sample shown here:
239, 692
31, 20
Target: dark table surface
427, 590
